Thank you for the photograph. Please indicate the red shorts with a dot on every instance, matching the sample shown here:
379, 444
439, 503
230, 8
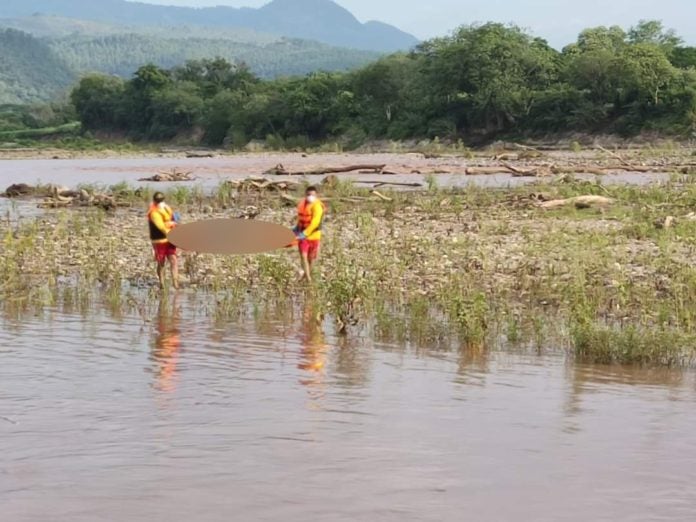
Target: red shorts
163, 251
309, 247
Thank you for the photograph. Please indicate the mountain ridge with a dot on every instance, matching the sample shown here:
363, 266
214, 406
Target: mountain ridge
42, 56
321, 20
29, 69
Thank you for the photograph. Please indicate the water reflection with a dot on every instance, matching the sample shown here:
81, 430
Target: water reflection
586, 380
167, 344
473, 364
313, 352
353, 362
384, 421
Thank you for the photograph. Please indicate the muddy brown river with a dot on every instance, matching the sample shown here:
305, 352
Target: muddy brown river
173, 415
209, 172
176, 416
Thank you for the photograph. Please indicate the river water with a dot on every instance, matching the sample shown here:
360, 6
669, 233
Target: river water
209, 172
174, 415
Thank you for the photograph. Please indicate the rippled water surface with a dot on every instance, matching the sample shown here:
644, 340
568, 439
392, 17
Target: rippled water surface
183, 418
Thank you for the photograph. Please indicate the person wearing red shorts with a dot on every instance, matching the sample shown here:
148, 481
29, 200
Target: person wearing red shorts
310, 216
161, 220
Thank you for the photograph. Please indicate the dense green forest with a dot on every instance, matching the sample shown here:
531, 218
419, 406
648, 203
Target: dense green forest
123, 54
29, 69
37, 69
480, 82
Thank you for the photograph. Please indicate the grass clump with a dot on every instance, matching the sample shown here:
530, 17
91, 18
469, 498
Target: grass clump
468, 267
597, 343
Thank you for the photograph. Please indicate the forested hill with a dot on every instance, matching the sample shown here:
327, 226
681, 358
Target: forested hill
29, 69
51, 26
33, 69
320, 20
124, 54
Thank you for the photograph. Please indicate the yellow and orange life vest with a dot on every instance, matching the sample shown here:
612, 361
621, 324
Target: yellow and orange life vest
310, 217
160, 221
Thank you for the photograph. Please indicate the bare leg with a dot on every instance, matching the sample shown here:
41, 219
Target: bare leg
307, 267
160, 274
302, 272
311, 259
174, 265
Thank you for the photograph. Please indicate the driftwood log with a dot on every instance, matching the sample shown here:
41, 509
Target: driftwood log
280, 170
580, 202
61, 198
380, 195
378, 184
174, 175
262, 185
546, 170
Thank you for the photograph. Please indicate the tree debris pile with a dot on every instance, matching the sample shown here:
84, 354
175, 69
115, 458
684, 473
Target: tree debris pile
175, 175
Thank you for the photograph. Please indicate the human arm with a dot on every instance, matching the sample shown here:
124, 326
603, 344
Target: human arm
317, 216
158, 221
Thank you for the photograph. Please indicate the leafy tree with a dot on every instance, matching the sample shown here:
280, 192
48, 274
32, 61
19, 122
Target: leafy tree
222, 117
653, 32
175, 108
138, 109
378, 90
684, 57
643, 72
612, 39
97, 100
212, 76
488, 76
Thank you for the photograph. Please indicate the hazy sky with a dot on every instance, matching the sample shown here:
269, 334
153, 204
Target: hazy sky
559, 21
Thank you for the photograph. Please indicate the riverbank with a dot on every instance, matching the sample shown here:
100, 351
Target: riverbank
611, 283
560, 146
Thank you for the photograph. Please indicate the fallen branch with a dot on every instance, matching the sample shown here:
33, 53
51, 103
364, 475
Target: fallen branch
528, 148
380, 196
545, 170
381, 172
262, 184
389, 183
615, 156
173, 176
280, 170
535, 172
485, 171
580, 202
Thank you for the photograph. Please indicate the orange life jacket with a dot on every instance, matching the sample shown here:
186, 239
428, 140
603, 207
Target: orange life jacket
305, 214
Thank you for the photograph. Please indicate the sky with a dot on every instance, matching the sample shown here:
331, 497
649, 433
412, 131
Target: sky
559, 21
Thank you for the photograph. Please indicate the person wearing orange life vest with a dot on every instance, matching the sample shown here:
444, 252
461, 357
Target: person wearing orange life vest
161, 220
310, 216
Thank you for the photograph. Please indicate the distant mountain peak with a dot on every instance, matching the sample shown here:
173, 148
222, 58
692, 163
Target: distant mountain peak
321, 20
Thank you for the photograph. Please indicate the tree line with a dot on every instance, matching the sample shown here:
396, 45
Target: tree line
122, 54
483, 81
